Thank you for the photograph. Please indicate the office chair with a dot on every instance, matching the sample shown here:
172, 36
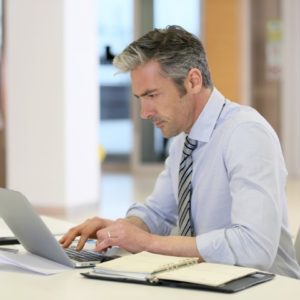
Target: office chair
297, 246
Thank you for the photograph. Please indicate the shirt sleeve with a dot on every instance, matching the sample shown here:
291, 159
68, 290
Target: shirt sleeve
256, 174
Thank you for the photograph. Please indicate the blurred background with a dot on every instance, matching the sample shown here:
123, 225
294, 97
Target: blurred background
70, 134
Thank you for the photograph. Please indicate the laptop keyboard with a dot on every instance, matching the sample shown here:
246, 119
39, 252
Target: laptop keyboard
86, 255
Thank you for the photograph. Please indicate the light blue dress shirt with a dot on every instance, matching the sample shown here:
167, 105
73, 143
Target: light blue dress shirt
239, 208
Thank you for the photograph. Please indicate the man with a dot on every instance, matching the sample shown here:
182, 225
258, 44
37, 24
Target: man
224, 179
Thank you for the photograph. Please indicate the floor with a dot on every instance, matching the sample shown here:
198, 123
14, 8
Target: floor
119, 190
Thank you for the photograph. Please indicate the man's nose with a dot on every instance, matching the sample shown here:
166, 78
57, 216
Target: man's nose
146, 110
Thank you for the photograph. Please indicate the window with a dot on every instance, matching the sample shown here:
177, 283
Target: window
115, 31
185, 13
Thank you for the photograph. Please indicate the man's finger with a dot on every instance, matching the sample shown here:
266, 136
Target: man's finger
104, 245
70, 236
81, 242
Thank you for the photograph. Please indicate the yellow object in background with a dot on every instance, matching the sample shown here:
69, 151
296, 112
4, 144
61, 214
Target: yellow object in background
101, 153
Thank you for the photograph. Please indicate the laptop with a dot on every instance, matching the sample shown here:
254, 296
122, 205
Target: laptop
34, 235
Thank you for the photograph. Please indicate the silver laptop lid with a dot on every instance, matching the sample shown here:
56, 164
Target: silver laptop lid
29, 228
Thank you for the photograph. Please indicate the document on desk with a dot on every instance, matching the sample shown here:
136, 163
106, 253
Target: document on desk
31, 262
181, 272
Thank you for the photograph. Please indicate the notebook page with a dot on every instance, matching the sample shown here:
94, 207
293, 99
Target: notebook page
206, 273
143, 262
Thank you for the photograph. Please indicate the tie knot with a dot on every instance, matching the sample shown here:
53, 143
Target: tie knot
189, 146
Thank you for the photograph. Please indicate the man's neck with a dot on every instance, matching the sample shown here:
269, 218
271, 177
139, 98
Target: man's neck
201, 100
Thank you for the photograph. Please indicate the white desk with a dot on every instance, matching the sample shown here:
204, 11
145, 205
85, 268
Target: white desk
18, 284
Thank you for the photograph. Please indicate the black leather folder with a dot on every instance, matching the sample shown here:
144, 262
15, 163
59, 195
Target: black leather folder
230, 287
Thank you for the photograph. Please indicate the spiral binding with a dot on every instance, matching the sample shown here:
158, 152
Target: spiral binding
170, 267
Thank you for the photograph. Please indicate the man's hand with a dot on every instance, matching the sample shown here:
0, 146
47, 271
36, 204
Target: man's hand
133, 236
85, 230
124, 234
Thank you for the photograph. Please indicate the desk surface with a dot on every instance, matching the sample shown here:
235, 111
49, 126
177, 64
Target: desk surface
19, 284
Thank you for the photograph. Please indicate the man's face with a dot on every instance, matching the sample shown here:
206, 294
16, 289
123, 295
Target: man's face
160, 100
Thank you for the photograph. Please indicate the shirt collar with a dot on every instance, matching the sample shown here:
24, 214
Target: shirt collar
206, 121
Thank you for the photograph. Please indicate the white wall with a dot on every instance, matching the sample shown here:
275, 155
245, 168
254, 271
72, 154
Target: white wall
52, 101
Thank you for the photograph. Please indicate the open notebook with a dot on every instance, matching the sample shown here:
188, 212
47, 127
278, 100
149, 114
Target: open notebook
155, 269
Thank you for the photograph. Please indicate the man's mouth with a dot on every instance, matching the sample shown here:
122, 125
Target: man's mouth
158, 124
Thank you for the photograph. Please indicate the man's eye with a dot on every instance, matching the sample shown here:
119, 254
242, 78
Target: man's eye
151, 96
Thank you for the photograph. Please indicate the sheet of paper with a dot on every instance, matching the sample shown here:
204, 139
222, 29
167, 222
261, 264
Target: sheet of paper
207, 273
31, 262
143, 262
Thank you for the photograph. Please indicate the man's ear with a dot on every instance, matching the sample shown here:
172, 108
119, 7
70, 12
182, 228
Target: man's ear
194, 81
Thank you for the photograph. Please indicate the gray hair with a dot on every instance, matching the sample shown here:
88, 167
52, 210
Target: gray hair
175, 49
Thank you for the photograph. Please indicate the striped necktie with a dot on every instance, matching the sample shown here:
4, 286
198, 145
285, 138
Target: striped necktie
185, 188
